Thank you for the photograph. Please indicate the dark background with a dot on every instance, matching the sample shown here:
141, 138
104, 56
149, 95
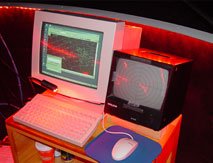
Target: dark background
196, 136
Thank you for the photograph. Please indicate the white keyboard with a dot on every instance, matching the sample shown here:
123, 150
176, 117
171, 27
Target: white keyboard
59, 119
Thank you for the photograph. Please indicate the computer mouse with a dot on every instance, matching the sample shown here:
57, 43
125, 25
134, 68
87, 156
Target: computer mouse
123, 148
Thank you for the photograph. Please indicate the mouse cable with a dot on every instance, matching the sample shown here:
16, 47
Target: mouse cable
115, 132
11, 105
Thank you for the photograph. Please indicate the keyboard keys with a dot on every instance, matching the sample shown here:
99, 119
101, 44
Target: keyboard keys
59, 119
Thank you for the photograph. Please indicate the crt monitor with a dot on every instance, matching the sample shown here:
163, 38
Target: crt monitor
147, 87
74, 52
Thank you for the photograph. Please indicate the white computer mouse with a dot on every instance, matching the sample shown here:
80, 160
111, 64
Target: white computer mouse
123, 148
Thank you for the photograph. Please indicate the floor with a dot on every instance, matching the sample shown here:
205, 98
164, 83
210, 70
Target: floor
5, 154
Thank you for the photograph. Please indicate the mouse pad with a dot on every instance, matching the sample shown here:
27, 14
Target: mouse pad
100, 148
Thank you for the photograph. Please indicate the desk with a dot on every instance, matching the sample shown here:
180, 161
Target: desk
22, 141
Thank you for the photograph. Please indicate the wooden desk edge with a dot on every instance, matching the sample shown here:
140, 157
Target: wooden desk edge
68, 147
11, 125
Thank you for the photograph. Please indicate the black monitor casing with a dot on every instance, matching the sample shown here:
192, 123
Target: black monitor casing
179, 72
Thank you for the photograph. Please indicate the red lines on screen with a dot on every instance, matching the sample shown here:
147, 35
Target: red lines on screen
59, 50
85, 73
120, 78
143, 87
162, 76
125, 64
96, 62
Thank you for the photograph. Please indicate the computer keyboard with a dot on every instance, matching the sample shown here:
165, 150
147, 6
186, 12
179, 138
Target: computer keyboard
59, 119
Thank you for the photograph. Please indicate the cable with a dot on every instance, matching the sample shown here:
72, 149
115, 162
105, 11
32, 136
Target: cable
44, 84
199, 12
35, 80
7, 104
16, 71
32, 86
2, 116
12, 70
114, 132
78, 99
54, 88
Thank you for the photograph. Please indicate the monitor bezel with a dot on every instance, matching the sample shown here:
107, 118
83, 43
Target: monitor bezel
112, 40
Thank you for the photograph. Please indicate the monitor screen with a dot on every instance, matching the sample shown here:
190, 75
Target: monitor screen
74, 52
71, 54
139, 83
147, 87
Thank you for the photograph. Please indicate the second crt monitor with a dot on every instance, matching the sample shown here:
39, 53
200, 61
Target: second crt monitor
147, 87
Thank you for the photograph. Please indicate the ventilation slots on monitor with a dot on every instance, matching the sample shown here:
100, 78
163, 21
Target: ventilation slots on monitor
147, 87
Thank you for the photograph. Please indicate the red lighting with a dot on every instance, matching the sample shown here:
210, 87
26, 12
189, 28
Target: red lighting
19, 7
156, 56
59, 50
